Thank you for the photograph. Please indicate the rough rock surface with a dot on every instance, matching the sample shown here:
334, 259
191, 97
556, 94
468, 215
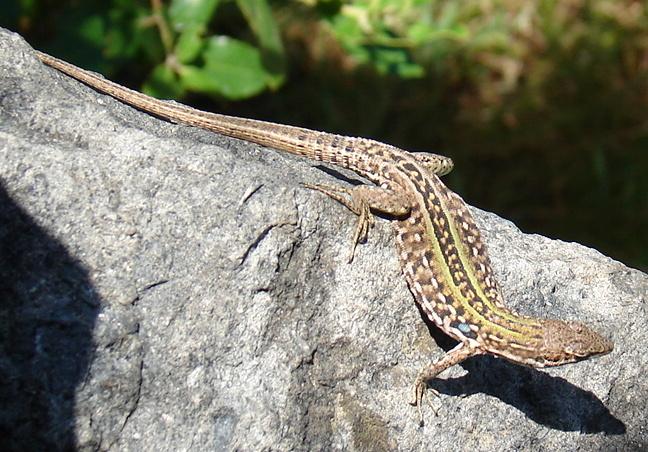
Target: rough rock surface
166, 288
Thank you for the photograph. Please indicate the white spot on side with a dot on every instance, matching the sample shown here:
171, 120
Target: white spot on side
454, 331
474, 343
464, 225
429, 310
470, 239
442, 298
482, 268
475, 251
453, 311
417, 287
409, 268
417, 237
434, 283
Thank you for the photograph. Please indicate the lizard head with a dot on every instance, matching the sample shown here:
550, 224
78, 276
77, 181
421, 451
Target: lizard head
567, 342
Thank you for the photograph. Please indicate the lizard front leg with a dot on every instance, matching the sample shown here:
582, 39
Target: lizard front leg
458, 354
363, 199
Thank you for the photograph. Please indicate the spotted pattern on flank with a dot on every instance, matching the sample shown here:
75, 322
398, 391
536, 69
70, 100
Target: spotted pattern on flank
447, 250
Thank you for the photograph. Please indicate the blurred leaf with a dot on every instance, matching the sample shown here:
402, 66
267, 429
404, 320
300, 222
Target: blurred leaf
421, 33
347, 29
92, 29
232, 69
259, 17
163, 84
410, 70
198, 79
124, 36
395, 62
189, 43
185, 14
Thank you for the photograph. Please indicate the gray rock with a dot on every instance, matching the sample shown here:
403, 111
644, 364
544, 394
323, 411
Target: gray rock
167, 288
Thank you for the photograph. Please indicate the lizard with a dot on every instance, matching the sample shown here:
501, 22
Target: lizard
441, 252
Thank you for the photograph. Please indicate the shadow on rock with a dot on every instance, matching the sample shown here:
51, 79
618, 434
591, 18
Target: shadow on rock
551, 401
48, 310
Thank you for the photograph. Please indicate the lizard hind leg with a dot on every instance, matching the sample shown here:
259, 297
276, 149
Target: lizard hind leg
363, 199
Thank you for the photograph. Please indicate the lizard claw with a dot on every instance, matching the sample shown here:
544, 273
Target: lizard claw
420, 390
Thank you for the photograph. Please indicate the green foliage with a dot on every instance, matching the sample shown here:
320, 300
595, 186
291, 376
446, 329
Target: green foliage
217, 64
232, 68
542, 103
179, 40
